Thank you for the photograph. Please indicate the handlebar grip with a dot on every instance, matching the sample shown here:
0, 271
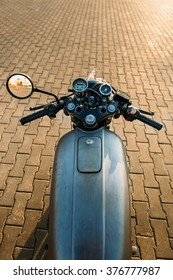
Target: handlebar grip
33, 116
149, 121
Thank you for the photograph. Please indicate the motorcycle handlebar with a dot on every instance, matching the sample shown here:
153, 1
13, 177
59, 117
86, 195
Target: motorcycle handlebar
133, 113
149, 121
33, 116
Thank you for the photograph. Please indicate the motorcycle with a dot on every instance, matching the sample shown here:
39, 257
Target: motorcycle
89, 215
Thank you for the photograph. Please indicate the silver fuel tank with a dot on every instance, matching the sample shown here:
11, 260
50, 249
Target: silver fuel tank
89, 207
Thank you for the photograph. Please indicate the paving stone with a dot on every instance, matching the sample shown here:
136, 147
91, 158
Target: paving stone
10, 156
168, 153
3, 106
19, 135
119, 130
45, 122
33, 127
170, 139
12, 125
8, 243
165, 188
36, 201
134, 165
41, 136
140, 134
49, 149
168, 126
133, 239
155, 210
168, 208
149, 130
66, 122
164, 113
149, 179
27, 236
17, 216
26, 144
18, 169
23, 253
171, 242
142, 216
43, 224
35, 157
144, 152
138, 187
5, 140
44, 168
2, 128
5, 211
163, 250
129, 127
147, 247
1, 193
19, 111
7, 199
54, 129
170, 171
153, 144
4, 171
27, 181
7, 115
163, 138
159, 166
41, 242
131, 143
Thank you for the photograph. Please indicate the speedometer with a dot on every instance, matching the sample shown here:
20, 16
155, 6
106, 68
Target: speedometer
105, 89
80, 85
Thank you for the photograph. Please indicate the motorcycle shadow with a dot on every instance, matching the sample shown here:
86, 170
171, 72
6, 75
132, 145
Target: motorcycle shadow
35, 246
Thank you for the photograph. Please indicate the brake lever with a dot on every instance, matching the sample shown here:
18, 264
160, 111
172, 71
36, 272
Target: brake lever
63, 98
146, 113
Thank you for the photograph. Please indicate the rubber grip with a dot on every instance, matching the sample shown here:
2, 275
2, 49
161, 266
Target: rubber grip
33, 116
149, 121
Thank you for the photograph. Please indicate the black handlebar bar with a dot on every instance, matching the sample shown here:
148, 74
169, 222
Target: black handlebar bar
133, 113
149, 121
50, 110
33, 116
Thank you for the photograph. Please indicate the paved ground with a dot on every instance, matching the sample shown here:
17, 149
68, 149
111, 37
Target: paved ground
53, 41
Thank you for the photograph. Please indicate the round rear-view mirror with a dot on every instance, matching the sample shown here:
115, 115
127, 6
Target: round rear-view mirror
19, 86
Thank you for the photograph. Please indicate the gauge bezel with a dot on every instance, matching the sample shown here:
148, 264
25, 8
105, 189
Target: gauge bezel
107, 94
78, 79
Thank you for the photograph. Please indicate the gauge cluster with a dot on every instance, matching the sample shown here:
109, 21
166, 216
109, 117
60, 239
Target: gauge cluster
92, 103
80, 85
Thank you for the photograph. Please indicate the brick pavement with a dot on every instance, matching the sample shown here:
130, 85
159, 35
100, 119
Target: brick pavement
130, 44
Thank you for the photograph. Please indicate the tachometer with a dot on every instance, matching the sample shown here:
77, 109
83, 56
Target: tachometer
105, 89
80, 85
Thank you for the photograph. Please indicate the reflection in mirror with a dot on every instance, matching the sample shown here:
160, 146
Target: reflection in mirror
20, 86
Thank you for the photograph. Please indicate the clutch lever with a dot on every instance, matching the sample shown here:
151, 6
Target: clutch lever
40, 107
36, 108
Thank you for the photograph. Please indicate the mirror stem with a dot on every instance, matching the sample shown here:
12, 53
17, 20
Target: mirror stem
48, 93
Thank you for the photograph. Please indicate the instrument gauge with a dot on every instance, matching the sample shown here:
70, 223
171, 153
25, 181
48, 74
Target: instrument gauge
105, 89
80, 85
